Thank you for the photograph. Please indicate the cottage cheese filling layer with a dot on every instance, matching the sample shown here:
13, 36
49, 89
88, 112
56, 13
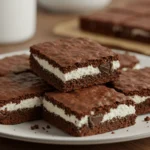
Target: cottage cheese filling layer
25, 103
139, 99
74, 74
121, 111
136, 32
136, 67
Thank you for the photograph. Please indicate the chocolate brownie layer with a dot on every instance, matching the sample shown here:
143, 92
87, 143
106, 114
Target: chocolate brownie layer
87, 130
74, 63
143, 107
107, 22
136, 85
21, 96
89, 109
15, 64
128, 62
19, 116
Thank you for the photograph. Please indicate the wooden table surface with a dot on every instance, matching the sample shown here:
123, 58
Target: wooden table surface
45, 23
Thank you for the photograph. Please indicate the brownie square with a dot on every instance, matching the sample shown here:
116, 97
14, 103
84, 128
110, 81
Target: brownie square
21, 98
74, 63
128, 62
89, 111
137, 28
15, 64
136, 85
106, 22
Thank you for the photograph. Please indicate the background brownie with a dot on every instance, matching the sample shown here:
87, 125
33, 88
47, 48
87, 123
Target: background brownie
128, 62
20, 98
137, 28
107, 22
14, 64
136, 85
74, 63
89, 111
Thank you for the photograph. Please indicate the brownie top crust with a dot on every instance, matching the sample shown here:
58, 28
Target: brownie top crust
82, 102
139, 9
21, 86
73, 53
134, 82
127, 61
139, 23
14, 64
109, 16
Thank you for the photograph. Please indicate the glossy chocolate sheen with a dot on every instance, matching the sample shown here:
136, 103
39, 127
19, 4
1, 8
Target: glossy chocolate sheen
82, 102
133, 82
14, 64
24, 85
72, 53
127, 61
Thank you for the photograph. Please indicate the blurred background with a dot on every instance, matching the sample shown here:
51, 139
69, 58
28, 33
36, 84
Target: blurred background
26, 22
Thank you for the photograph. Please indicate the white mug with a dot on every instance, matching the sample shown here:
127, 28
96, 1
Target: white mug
17, 20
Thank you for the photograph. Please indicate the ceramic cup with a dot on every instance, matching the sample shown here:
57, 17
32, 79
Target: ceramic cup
17, 20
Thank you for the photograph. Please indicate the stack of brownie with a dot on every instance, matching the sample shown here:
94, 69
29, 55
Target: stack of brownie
21, 91
78, 85
130, 21
81, 105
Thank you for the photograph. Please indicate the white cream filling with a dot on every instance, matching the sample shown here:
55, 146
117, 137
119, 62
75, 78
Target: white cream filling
117, 28
140, 32
75, 74
121, 111
139, 99
25, 103
136, 67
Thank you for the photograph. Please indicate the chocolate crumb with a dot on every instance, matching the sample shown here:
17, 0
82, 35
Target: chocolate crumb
34, 127
127, 130
48, 127
147, 118
112, 132
43, 128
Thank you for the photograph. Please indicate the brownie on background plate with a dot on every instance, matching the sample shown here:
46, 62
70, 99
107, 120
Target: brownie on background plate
69, 64
128, 62
21, 97
136, 85
14, 64
89, 111
106, 22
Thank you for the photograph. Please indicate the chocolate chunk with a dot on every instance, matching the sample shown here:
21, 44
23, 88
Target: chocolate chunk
105, 68
34, 127
95, 120
147, 118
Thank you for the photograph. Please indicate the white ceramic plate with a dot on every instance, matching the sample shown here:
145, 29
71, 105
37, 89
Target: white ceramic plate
54, 136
